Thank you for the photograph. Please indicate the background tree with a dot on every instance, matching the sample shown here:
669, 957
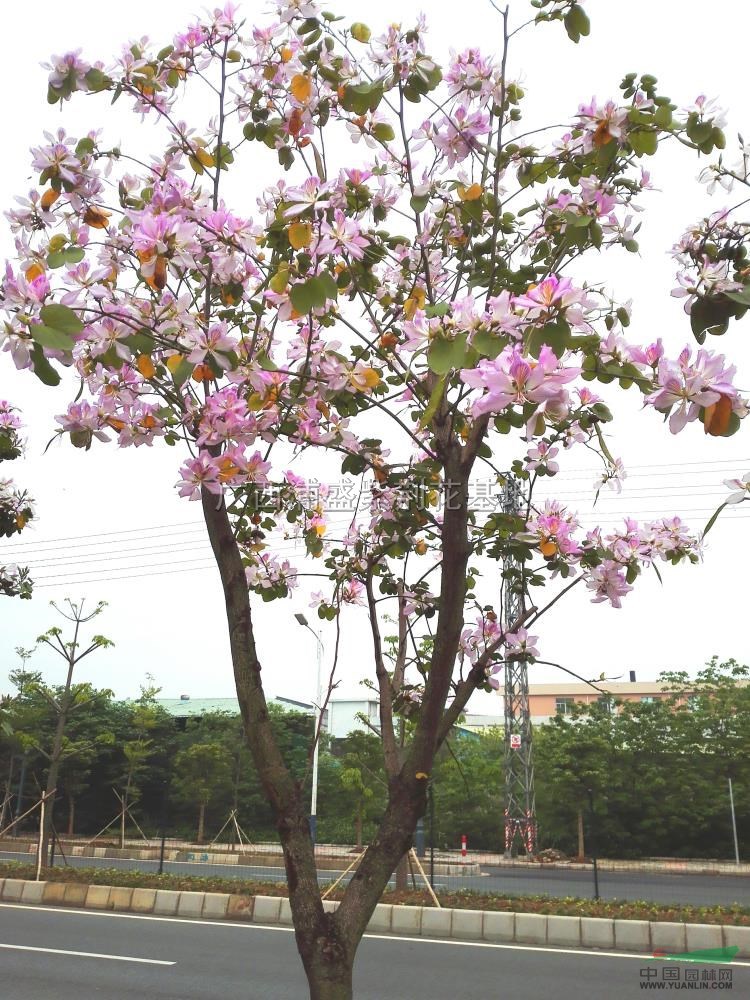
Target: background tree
417, 314
658, 770
361, 779
468, 788
145, 716
203, 773
70, 700
16, 506
572, 757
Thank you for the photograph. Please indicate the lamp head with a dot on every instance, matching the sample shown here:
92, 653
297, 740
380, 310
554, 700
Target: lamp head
301, 618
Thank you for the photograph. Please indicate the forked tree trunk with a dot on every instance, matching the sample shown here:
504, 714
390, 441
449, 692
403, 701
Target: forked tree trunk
329, 980
327, 942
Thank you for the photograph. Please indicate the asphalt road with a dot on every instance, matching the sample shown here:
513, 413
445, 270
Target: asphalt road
75, 955
698, 890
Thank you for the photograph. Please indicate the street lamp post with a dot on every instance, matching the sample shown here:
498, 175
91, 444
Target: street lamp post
317, 729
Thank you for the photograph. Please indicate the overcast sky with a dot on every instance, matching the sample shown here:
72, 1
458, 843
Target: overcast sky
106, 515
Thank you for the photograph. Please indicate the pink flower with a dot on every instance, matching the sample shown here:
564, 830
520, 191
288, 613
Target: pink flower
342, 236
216, 341
607, 582
541, 457
353, 592
740, 487
310, 195
67, 73
513, 379
551, 293
520, 645
198, 472
685, 387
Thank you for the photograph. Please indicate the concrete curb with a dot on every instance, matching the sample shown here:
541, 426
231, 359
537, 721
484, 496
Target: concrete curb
413, 921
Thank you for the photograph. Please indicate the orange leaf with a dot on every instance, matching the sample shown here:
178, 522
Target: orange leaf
96, 217
300, 235
301, 87
716, 417
35, 271
415, 301
49, 198
472, 193
203, 156
145, 365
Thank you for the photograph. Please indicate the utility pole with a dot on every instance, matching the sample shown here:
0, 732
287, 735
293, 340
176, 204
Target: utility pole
520, 806
318, 730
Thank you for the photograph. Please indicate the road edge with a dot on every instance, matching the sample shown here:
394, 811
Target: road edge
493, 926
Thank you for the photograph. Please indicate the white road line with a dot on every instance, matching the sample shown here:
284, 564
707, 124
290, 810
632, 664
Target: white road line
85, 954
393, 938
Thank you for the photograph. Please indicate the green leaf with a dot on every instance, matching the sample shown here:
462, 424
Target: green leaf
557, 336
576, 23
489, 345
383, 132
663, 116
712, 520
42, 368
141, 343
359, 98
603, 445
742, 297
360, 32
96, 80
419, 202
328, 282
710, 315
55, 340
60, 317
436, 397
182, 372
310, 294
443, 355
645, 142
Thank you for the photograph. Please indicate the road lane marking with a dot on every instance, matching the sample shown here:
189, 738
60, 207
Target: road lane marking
85, 954
249, 926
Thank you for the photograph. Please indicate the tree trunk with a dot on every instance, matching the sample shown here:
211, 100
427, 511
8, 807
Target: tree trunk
581, 848
329, 980
402, 874
54, 770
7, 798
201, 822
71, 814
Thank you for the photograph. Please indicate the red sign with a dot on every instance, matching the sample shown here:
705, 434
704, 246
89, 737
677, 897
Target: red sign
515, 741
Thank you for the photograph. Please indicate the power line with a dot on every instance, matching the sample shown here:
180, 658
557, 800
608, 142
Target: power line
110, 579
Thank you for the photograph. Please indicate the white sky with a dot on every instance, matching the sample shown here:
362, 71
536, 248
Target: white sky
172, 624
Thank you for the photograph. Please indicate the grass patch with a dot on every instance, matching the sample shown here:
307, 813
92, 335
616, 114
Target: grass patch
466, 899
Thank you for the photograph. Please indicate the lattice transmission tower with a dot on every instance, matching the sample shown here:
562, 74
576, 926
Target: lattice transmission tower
520, 806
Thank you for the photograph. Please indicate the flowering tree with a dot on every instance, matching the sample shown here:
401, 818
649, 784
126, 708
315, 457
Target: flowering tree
412, 308
16, 508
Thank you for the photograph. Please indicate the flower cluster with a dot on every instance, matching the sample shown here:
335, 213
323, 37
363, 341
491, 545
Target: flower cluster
418, 280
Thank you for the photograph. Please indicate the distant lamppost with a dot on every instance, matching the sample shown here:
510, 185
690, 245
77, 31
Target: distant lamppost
317, 716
